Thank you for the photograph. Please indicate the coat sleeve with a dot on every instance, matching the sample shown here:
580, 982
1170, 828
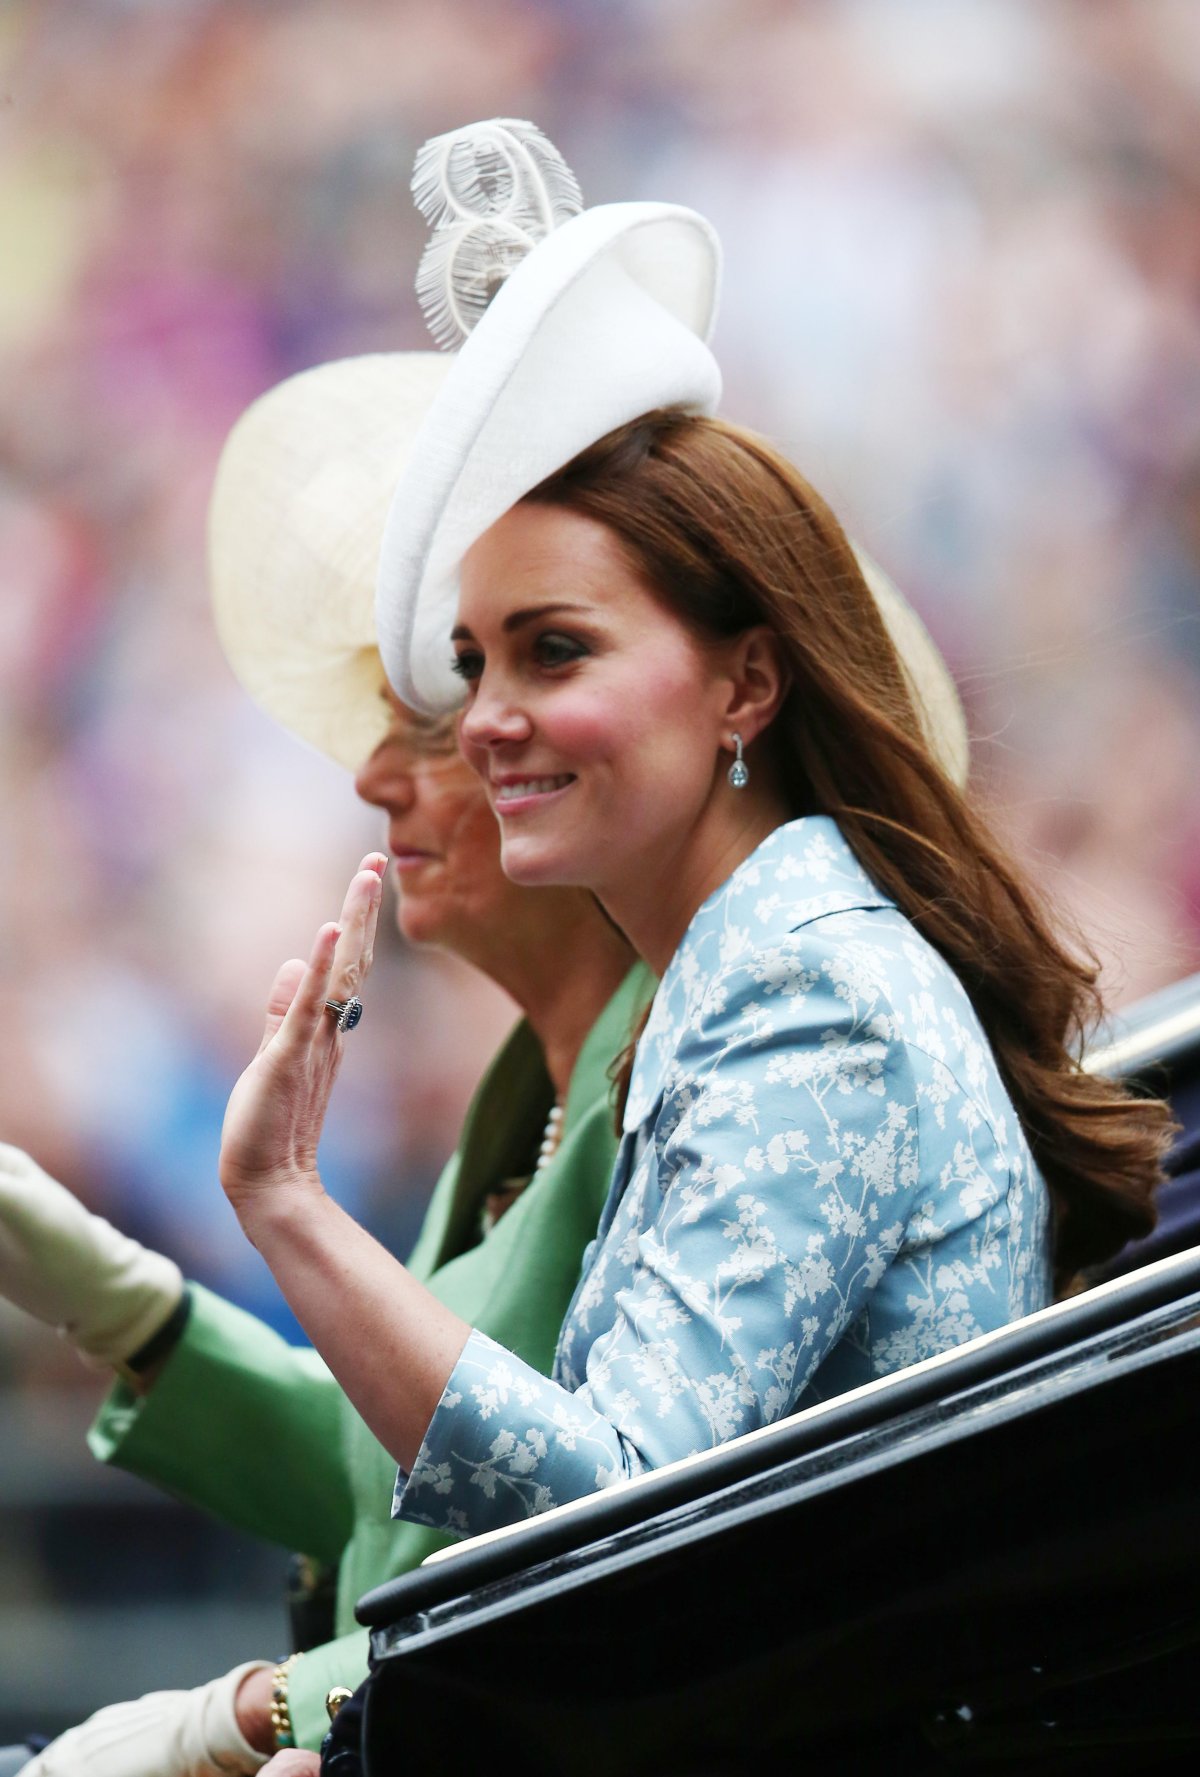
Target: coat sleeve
242, 1424
341, 1662
771, 1197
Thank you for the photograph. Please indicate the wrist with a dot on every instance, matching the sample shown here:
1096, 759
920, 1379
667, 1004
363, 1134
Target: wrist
282, 1733
276, 1197
144, 1366
252, 1708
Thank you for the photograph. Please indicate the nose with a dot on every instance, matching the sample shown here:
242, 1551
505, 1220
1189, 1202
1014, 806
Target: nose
492, 718
386, 780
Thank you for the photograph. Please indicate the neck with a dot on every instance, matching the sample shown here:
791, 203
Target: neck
656, 902
562, 969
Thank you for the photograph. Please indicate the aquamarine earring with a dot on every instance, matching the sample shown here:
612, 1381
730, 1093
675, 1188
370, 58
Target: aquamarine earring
739, 771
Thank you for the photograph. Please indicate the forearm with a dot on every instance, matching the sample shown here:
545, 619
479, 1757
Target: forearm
391, 1345
507, 1443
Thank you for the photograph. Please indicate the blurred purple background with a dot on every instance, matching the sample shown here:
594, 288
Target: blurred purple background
962, 290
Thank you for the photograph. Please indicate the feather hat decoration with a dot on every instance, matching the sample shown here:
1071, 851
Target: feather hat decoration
564, 323
490, 193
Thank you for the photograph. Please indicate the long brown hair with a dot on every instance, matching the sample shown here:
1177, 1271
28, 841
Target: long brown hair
729, 534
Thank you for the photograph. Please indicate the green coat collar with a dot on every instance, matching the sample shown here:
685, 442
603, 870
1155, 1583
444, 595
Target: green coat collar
511, 1099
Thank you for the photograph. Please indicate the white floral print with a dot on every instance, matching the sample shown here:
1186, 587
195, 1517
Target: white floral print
821, 1179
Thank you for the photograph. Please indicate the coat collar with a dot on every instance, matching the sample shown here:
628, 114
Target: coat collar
509, 1106
801, 872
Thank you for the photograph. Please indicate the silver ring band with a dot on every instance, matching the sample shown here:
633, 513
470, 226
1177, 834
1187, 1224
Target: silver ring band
346, 1012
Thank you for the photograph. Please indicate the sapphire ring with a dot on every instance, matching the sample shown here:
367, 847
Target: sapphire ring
346, 1012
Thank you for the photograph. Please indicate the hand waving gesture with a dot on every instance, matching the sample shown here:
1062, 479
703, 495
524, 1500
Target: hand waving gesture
276, 1110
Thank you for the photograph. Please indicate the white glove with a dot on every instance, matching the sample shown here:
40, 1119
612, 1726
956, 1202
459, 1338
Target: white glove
74, 1270
164, 1734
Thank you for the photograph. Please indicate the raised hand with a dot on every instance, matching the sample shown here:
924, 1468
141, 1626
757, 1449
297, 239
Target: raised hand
276, 1110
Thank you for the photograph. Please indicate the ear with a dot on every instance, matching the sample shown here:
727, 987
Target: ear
759, 682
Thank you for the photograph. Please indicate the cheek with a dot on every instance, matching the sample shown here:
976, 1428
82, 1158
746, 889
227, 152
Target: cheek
474, 755
606, 724
451, 799
654, 716
473, 842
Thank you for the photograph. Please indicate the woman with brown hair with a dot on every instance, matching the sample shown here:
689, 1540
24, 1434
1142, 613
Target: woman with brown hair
854, 1128
846, 743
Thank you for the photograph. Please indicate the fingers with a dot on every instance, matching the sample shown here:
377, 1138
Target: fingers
360, 917
307, 1011
283, 992
376, 862
338, 964
292, 1763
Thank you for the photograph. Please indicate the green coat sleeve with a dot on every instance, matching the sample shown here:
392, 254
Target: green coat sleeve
343, 1661
235, 1412
248, 1427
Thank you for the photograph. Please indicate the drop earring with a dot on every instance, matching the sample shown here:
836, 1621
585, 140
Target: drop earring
739, 771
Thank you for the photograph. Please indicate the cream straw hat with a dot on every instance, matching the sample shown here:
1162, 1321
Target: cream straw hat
569, 324
301, 497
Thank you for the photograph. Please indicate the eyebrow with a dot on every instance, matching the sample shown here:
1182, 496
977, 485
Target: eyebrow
517, 619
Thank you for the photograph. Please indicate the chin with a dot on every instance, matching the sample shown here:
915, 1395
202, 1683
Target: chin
419, 924
536, 865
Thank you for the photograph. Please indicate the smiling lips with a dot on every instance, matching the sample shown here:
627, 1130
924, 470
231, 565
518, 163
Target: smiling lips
506, 796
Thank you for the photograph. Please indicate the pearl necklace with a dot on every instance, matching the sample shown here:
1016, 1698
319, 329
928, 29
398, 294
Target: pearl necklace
551, 1137
496, 1202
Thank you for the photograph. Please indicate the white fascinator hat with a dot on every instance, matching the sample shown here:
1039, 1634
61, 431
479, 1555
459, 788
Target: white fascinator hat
346, 498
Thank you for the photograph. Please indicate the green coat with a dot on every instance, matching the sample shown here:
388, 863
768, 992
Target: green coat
236, 1408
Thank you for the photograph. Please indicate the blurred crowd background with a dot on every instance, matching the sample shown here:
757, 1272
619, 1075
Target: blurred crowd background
963, 290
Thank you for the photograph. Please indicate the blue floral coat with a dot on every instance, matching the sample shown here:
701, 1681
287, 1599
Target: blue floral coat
821, 1179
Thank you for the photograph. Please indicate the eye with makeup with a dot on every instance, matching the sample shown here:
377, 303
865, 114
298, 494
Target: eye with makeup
468, 664
553, 648
548, 650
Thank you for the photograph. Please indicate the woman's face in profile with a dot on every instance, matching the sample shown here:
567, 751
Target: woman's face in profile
441, 833
593, 716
